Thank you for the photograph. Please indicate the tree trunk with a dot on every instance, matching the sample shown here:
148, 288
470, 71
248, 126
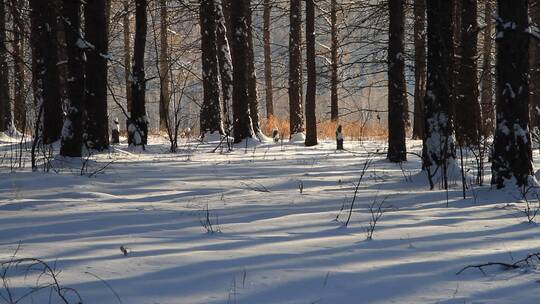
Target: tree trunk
468, 116
534, 82
242, 124
97, 122
311, 119
438, 145
164, 96
72, 132
269, 86
252, 76
487, 107
19, 106
334, 81
138, 125
512, 154
211, 108
296, 119
397, 92
225, 67
5, 102
419, 67
127, 55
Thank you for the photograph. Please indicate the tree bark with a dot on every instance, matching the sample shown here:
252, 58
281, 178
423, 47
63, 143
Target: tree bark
397, 92
138, 125
164, 96
242, 125
419, 67
97, 122
534, 82
225, 67
269, 85
5, 102
334, 80
211, 108
127, 54
487, 106
296, 119
311, 119
19, 106
252, 75
512, 154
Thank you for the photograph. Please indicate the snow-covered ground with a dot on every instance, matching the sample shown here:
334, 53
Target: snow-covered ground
275, 245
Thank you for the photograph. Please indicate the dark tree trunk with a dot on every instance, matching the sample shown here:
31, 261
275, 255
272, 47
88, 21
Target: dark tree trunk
397, 94
438, 145
242, 125
311, 119
334, 81
97, 122
512, 155
138, 125
225, 67
419, 67
211, 108
295, 68
534, 80
19, 106
5, 102
164, 96
252, 76
269, 85
127, 55
468, 115
72, 132
487, 106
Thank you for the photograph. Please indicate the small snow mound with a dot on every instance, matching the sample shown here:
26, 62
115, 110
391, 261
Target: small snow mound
213, 137
298, 138
264, 139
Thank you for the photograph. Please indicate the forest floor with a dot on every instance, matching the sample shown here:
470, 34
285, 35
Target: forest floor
272, 243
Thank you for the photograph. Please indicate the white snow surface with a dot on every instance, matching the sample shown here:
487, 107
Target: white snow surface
276, 245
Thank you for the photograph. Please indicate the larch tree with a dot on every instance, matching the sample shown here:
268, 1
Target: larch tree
397, 93
420, 73
438, 153
486, 82
268, 79
127, 52
97, 120
138, 122
164, 73
311, 101
334, 65
225, 67
252, 76
210, 118
534, 80
242, 125
296, 117
72, 132
18, 45
5, 101
512, 155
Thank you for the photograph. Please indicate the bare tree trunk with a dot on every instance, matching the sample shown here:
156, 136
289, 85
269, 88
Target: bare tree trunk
19, 106
242, 125
211, 108
127, 54
164, 96
334, 81
487, 106
138, 126
252, 76
97, 120
311, 102
534, 82
225, 67
419, 67
295, 68
512, 154
268, 60
5, 102
397, 92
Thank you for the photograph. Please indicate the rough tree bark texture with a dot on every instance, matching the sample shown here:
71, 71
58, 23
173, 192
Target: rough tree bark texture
127, 54
397, 94
19, 106
296, 119
138, 125
269, 85
512, 154
164, 96
438, 144
242, 124
97, 120
5, 102
334, 80
211, 108
252, 75
468, 115
534, 82
420, 73
311, 119
225, 67
72, 139
486, 100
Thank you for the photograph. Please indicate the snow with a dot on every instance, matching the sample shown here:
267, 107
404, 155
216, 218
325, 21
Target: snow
276, 245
